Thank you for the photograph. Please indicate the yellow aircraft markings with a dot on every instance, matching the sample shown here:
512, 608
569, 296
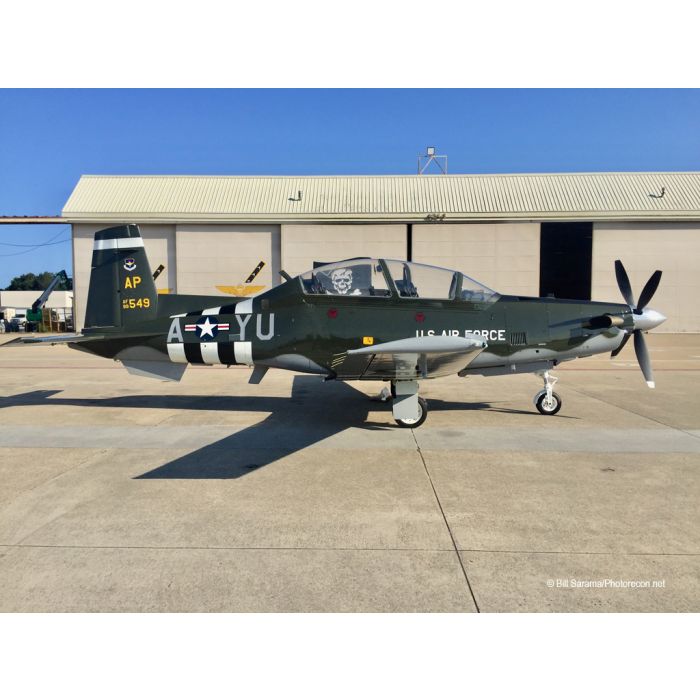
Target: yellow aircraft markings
241, 290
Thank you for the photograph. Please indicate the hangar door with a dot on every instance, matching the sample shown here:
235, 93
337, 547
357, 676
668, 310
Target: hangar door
566, 251
218, 259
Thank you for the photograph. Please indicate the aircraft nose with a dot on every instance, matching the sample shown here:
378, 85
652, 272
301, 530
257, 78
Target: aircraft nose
648, 319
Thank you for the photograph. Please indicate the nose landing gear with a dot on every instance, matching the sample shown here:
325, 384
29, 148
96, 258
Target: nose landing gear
548, 402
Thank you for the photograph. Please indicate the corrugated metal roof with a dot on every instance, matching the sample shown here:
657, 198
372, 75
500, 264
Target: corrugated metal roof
584, 196
25, 219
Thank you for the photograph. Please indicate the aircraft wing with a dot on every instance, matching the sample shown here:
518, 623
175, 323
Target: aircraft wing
422, 356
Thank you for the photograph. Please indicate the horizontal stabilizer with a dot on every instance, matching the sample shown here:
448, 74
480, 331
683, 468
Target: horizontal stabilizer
53, 339
167, 371
146, 361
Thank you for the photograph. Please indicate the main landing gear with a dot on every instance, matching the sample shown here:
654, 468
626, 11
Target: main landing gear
409, 409
547, 401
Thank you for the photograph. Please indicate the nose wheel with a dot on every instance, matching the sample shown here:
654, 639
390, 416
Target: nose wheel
548, 402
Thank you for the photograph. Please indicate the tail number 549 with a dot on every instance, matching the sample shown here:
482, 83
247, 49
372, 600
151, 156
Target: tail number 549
141, 303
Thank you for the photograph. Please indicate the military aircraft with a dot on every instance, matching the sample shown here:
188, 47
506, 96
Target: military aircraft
358, 319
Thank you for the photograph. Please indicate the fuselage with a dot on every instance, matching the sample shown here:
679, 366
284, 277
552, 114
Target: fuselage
288, 328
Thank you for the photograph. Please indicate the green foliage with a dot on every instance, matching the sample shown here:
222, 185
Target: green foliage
31, 282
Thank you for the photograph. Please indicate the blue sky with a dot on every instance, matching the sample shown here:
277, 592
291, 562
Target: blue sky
48, 138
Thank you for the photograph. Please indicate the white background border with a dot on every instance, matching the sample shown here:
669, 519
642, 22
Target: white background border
363, 43
368, 44
348, 656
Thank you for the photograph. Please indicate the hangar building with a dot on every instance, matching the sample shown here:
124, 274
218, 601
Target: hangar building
520, 234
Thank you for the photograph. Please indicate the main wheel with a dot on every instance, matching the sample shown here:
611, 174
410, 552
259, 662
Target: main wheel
415, 422
549, 408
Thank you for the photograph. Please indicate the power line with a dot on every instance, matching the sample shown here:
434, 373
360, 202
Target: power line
24, 245
30, 247
42, 245
63, 229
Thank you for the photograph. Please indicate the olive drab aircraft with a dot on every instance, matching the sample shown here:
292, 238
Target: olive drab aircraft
360, 319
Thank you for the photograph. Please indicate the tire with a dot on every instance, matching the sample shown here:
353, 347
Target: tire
423, 409
549, 410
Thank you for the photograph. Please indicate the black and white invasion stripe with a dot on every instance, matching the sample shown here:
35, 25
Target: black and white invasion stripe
215, 351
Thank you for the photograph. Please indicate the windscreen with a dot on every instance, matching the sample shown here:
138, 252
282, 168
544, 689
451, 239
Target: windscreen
415, 280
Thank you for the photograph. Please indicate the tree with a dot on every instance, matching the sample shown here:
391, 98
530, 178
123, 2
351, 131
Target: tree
31, 282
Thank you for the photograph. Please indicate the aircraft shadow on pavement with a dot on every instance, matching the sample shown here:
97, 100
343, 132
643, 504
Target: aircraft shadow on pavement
314, 412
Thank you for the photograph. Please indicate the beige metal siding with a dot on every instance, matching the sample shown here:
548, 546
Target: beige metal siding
673, 248
213, 256
583, 196
24, 299
304, 244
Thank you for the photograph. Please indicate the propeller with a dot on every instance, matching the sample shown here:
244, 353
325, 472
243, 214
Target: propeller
644, 319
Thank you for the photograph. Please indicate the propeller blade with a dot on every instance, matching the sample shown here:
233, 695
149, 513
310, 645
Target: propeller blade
640, 348
623, 282
616, 352
649, 290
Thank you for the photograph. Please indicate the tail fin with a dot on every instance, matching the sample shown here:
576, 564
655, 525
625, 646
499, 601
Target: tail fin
122, 291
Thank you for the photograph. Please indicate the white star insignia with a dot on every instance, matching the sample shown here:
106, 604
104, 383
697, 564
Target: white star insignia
207, 327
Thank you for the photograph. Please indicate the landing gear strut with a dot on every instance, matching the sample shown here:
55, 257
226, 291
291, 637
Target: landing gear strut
409, 409
547, 401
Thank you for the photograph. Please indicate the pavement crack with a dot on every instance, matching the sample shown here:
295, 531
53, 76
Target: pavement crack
447, 524
75, 467
55, 477
581, 552
635, 413
271, 548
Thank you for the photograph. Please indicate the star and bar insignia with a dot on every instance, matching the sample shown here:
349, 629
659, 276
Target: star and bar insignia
206, 327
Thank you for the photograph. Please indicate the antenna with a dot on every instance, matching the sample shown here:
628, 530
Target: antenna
429, 157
